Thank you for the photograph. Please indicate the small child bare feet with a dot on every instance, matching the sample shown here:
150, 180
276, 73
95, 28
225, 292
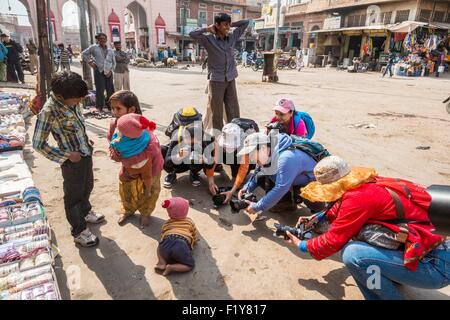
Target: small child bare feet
145, 221
160, 268
168, 270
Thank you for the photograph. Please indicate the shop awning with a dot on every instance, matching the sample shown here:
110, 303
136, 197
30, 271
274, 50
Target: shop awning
361, 28
407, 26
439, 25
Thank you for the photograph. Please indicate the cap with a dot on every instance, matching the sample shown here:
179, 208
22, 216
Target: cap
284, 105
231, 137
252, 141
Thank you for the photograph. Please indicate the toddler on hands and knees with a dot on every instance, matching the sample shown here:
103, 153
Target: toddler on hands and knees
131, 141
178, 237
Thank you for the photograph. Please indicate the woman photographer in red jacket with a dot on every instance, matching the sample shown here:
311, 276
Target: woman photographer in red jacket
387, 219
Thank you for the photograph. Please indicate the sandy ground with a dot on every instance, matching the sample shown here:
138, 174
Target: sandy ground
237, 258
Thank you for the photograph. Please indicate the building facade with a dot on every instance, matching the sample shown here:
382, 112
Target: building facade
343, 28
20, 34
153, 21
191, 14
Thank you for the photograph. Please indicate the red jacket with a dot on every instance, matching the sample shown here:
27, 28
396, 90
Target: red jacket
371, 203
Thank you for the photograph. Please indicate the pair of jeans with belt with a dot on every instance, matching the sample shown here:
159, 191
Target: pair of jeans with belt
377, 270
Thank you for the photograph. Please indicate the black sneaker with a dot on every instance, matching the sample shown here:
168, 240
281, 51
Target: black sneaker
170, 180
195, 179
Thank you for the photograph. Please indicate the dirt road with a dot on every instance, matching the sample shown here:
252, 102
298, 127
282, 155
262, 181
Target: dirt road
237, 258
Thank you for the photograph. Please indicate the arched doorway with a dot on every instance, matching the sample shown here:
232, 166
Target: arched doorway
71, 22
136, 27
312, 41
17, 20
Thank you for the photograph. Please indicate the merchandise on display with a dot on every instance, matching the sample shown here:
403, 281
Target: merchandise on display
26, 252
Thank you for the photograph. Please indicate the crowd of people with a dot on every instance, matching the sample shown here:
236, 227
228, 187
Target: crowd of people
284, 160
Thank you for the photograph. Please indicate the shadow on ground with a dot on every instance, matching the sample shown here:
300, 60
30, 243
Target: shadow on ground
120, 276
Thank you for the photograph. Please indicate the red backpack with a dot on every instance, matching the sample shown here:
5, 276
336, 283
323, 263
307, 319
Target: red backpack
414, 192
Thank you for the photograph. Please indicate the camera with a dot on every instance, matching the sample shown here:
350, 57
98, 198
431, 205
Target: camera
219, 198
275, 126
238, 205
299, 231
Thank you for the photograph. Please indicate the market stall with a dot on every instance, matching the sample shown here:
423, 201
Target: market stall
422, 47
26, 253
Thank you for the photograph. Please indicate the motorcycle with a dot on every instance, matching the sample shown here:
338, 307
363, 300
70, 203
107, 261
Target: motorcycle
257, 64
284, 62
447, 106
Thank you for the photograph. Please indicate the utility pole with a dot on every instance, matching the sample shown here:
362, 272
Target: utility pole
183, 26
91, 22
87, 74
50, 33
45, 66
275, 37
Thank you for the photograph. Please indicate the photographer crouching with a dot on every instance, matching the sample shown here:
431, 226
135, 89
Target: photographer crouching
376, 222
188, 153
281, 169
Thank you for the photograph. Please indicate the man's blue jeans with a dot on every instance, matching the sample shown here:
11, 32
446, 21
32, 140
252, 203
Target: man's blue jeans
376, 269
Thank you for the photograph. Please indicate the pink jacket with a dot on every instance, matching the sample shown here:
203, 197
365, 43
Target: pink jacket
153, 151
299, 131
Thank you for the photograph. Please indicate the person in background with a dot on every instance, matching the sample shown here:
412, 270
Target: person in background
102, 60
121, 73
32, 51
64, 57
3, 55
244, 57
70, 50
299, 56
391, 61
14, 68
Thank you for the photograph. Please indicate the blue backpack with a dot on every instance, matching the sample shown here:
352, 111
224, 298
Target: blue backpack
313, 148
310, 127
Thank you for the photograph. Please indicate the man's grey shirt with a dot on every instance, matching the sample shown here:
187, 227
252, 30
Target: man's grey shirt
104, 65
221, 62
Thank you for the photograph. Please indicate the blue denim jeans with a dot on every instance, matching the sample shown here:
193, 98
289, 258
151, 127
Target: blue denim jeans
375, 270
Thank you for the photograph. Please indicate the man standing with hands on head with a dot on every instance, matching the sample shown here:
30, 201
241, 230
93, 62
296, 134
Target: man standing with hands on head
103, 61
219, 43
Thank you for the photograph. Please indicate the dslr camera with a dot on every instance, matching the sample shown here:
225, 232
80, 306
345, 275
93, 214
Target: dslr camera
300, 231
219, 198
238, 205
275, 126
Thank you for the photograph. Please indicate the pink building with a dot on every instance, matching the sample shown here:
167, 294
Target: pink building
149, 22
